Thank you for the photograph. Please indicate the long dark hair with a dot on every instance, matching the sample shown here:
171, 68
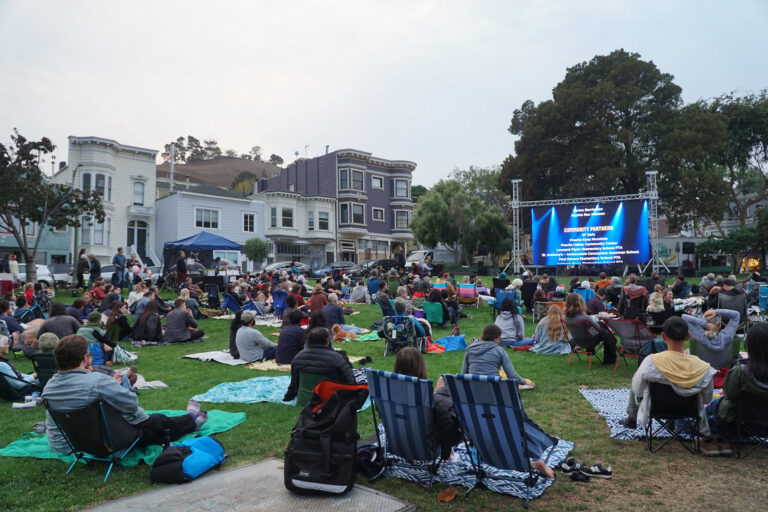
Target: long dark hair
509, 305
149, 310
757, 348
409, 361
115, 314
316, 320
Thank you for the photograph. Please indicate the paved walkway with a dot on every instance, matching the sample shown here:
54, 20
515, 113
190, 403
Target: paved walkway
251, 487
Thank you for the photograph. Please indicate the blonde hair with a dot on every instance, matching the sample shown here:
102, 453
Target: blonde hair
575, 305
184, 294
555, 329
139, 287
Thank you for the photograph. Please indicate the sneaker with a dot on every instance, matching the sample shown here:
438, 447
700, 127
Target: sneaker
710, 448
725, 448
569, 466
628, 422
597, 471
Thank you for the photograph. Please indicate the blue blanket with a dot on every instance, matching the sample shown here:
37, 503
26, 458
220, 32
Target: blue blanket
452, 343
461, 472
251, 391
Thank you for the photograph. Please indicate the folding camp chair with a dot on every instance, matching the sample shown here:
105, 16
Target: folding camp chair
492, 418
540, 310
468, 295
440, 286
45, 366
584, 340
507, 294
751, 424
633, 334
717, 358
212, 292
230, 303
400, 331
8, 392
434, 313
96, 432
526, 293
666, 408
386, 309
736, 303
278, 301
406, 408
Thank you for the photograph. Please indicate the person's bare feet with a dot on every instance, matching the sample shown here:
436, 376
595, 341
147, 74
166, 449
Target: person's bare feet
543, 468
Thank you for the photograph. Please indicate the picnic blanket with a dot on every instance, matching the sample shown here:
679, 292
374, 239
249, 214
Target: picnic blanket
269, 321
220, 356
145, 343
36, 445
371, 336
251, 391
142, 383
460, 471
452, 343
271, 365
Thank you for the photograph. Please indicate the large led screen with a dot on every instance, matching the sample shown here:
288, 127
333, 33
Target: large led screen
591, 234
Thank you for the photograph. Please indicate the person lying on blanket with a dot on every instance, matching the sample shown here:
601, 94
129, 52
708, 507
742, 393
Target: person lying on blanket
251, 344
319, 358
409, 361
74, 386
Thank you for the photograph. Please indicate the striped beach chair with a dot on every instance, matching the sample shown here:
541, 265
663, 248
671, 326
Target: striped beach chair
492, 419
406, 407
468, 294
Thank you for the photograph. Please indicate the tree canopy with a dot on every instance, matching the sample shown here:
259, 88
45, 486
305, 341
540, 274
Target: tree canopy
190, 149
737, 242
256, 249
27, 198
598, 134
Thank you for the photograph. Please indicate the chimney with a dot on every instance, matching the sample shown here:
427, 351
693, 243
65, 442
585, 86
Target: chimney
187, 177
170, 171
326, 149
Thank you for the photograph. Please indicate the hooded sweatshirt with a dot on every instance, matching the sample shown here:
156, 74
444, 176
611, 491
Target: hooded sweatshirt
688, 375
512, 327
485, 357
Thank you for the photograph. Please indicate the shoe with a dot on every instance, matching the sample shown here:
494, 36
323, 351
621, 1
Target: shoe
597, 470
710, 448
569, 466
628, 422
725, 449
579, 477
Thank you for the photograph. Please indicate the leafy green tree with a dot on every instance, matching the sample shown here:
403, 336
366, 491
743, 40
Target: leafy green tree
489, 228
483, 184
256, 153
27, 198
256, 249
598, 134
231, 153
212, 149
195, 151
275, 159
180, 154
737, 242
417, 191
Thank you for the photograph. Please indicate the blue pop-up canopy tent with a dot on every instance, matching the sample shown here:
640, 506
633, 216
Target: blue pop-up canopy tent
203, 244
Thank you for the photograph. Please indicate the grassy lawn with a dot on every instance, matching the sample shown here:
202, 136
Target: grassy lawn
670, 480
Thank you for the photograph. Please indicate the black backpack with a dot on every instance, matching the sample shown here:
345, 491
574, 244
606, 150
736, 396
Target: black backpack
321, 457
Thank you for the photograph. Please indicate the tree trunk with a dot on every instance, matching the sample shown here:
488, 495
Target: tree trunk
31, 274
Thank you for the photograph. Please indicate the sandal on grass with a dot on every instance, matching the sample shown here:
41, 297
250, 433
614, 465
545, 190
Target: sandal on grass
597, 470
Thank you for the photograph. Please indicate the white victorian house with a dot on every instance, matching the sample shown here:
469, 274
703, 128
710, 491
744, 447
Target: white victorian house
125, 177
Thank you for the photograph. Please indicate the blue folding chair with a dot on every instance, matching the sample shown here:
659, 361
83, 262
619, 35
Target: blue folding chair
230, 303
406, 406
492, 418
507, 294
278, 301
386, 309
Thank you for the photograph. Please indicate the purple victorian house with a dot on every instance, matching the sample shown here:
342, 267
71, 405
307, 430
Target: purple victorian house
373, 205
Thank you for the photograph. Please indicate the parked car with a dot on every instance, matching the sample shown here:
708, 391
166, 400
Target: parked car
347, 267
369, 265
286, 265
61, 273
44, 275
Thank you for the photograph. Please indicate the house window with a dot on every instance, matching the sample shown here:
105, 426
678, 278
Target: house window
310, 221
249, 222
401, 188
322, 221
93, 233
401, 219
357, 180
343, 179
287, 218
138, 193
377, 182
344, 213
109, 188
206, 218
62, 229
358, 214
273, 217
30, 229
378, 214
86, 182
101, 185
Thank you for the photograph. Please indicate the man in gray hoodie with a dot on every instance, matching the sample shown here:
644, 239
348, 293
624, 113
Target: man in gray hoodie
485, 356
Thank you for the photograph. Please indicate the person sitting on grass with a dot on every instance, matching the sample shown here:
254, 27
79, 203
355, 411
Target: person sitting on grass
99, 345
359, 293
576, 311
512, 325
382, 295
118, 328
318, 300
291, 340
147, 326
24, 384
137, 293
74, 386
551, 334
686, 374
251, 344
485, 357
59, 322
319, 358
741, 383
401, 310
180, 324
76, 310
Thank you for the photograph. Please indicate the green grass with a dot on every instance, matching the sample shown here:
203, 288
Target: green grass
642, 481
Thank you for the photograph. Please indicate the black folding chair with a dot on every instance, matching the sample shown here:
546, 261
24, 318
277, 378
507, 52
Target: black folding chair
584, 339
751, 424
96, 432
736, 303
45, 366
668, 407
212, 292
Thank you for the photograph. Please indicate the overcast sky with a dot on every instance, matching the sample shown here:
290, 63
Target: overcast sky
432, 82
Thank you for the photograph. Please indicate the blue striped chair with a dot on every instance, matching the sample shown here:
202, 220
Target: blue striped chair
406, 406
492, 419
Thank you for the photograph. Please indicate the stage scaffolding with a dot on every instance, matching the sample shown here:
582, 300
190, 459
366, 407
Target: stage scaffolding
651, 194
